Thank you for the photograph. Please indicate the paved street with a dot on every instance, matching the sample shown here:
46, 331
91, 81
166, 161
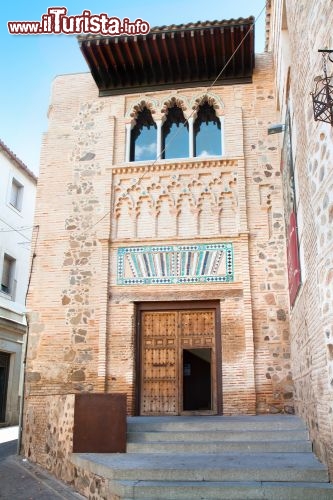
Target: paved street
22, 480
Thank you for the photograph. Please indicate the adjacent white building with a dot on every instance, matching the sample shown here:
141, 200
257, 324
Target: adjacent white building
17, 202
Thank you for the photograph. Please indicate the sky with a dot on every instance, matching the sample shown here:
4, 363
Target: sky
29, 63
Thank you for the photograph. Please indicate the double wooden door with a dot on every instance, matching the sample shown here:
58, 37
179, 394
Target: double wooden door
178, 362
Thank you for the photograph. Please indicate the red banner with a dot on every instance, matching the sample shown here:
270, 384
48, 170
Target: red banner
294, 271
289, 196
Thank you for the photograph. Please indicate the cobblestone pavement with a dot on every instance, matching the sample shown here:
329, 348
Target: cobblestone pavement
22, 480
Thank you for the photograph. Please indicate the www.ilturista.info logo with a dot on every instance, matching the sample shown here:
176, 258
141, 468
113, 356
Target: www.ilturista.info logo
57, 22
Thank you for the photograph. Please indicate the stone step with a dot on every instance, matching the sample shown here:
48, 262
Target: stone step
218, 435
268, 467
215, 423
289, 446
213, 458
192, 490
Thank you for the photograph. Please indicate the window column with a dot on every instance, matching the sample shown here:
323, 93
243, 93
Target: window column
221, 118
191, 137
128, 142
159, 139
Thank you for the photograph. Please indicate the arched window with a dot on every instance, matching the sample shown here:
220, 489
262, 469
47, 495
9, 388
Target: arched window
175, 134
207, 132
143, 137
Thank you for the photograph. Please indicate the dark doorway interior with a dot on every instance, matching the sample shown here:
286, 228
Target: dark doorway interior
197, 379
4, 371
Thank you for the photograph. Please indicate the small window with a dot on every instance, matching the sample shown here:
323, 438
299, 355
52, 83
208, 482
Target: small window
144, 137
16, 195
175, 140
207, 132
7, 280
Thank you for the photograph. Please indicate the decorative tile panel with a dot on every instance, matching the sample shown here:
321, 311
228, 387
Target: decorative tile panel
175, 264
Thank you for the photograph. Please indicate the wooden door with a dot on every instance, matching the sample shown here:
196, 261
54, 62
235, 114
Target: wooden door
4, 372
165, 335
159, 391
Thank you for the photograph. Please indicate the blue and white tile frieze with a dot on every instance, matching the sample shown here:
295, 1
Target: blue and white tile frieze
175, 264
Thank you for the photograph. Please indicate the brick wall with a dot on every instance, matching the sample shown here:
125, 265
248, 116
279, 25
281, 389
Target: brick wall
306, 24
90, 203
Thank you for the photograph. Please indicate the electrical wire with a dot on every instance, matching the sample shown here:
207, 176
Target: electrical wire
25, 353
150, 165
32, 263
23, 228
14, 229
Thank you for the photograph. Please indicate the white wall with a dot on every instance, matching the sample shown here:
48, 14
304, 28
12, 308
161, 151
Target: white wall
14, 243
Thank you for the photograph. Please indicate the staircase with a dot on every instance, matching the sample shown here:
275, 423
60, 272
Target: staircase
188, 458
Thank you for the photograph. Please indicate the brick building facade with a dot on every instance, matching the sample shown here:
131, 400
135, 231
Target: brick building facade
297, 31
143, 268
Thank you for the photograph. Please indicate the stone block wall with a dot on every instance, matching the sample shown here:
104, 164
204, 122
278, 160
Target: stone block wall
307, 26
267, 251
52, 419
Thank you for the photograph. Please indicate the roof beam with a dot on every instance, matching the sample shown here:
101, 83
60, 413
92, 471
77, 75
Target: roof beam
203, 48
212, 43
242, 48
129, 56
158, 57
176, 57
195, 53
232, 45
167, 56
186, 57
92, 62
223, 53
154, 78
140, 66
114, 63
105, 70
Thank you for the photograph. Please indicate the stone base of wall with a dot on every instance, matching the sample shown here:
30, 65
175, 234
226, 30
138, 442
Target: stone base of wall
48, 441
324, 452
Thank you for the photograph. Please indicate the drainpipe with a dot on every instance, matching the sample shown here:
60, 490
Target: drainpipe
22, 381
22, 387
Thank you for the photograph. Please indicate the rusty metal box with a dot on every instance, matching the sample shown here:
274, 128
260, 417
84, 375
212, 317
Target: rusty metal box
100, 423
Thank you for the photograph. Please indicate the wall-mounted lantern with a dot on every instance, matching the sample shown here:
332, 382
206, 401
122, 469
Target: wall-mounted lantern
322, 95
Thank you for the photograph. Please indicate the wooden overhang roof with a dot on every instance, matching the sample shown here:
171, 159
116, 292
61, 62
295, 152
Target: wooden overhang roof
171, 56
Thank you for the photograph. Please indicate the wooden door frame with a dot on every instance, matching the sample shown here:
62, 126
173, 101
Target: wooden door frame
5, 364
178, 306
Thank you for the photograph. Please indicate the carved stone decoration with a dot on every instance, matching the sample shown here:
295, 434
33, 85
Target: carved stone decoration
184, 204
208, 205
145, 217
125, 220
166, 216
160, 107
134, 107
211, 99
174, 100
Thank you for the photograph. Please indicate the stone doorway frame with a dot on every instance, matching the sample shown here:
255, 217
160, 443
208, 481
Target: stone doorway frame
177, 306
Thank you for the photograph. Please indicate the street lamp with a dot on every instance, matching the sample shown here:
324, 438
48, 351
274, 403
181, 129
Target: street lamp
322, 95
